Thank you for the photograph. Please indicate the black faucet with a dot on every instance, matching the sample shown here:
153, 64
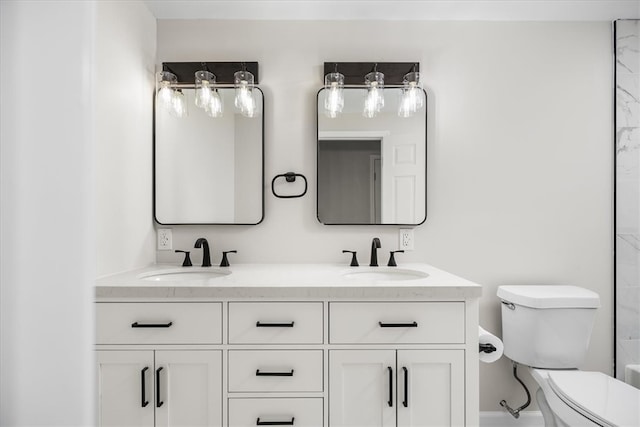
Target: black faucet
375, 245
206, 255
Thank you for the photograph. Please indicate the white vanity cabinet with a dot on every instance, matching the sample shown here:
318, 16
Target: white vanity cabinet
300, 349
275, 363
300, 412
174, 388
431, 388
149, 374
362, 388
393, 384
125, 388
415, 387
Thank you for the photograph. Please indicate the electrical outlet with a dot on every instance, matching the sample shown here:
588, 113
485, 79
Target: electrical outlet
165, 239
406, 239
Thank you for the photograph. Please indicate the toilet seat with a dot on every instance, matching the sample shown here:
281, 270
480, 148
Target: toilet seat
598, 397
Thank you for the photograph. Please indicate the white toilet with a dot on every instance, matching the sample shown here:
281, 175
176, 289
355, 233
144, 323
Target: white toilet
548, 328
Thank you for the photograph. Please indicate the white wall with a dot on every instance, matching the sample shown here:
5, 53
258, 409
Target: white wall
47, 222
519, 153
125, 47
77, 80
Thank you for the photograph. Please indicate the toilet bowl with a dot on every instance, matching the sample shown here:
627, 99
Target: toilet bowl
548, 329
586, 399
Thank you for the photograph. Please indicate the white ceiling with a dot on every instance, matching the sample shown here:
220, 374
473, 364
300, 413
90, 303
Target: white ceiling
482, 10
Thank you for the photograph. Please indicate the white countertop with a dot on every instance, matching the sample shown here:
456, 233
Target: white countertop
289, 281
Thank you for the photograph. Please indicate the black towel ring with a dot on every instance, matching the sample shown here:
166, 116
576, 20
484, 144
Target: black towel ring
289, 177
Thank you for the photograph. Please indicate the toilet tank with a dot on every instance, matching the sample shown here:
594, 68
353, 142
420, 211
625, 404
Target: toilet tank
547, 326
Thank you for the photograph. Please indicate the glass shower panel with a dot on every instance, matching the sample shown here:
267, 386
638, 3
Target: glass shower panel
627, 170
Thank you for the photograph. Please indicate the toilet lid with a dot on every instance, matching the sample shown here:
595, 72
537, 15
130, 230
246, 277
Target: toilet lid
597, 396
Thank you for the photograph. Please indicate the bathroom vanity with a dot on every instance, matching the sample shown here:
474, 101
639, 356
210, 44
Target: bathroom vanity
299, 345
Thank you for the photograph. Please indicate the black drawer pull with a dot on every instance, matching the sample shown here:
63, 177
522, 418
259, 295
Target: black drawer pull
151, 325
275, 423
390, 401
405, 402
159, 401
274, 325
398, 325
144, 401
273, 374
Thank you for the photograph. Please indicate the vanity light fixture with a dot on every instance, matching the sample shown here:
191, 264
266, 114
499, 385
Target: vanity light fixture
215, 107
377, 75
334, 97
207, 96
166, 94
374, 99
243, 82
412, 98
204, 80
179, 105
176, 76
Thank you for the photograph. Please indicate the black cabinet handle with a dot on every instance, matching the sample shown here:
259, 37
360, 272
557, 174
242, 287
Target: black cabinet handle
275, 423
398, 325
144, 401
151, 325
159, 402
274, 325
405, 402
273, 374
390, 402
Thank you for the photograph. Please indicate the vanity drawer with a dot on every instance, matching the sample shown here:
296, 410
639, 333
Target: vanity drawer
275, 370
396, 322
299, 412
275, 323
159, 323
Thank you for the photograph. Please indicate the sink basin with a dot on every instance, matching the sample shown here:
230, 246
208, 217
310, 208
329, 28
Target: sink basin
382, 274
182, 275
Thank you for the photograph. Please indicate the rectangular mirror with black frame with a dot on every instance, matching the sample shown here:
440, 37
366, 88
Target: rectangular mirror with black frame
371, 170
209, 170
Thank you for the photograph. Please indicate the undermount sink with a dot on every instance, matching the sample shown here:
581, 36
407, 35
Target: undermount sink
182, 275
384, 274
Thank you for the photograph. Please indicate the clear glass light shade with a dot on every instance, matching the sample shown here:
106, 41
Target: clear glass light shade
374, 99
165, 82
179, 105
215, 107
243, 82
204, 80
412, 98
334, 94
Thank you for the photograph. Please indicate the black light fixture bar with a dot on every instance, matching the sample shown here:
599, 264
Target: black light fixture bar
224, 71
354, 72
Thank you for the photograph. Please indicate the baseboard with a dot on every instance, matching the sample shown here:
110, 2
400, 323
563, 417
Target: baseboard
504, 419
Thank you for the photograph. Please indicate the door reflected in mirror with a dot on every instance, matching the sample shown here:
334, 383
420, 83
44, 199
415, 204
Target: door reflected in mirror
371, 170
209, 170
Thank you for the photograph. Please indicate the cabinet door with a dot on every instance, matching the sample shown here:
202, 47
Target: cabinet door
125, 388
430, 388
362, 390
188, 388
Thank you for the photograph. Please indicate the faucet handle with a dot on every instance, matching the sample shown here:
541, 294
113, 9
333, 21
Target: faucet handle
354, 260
225, 261
187, 259
392, 260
